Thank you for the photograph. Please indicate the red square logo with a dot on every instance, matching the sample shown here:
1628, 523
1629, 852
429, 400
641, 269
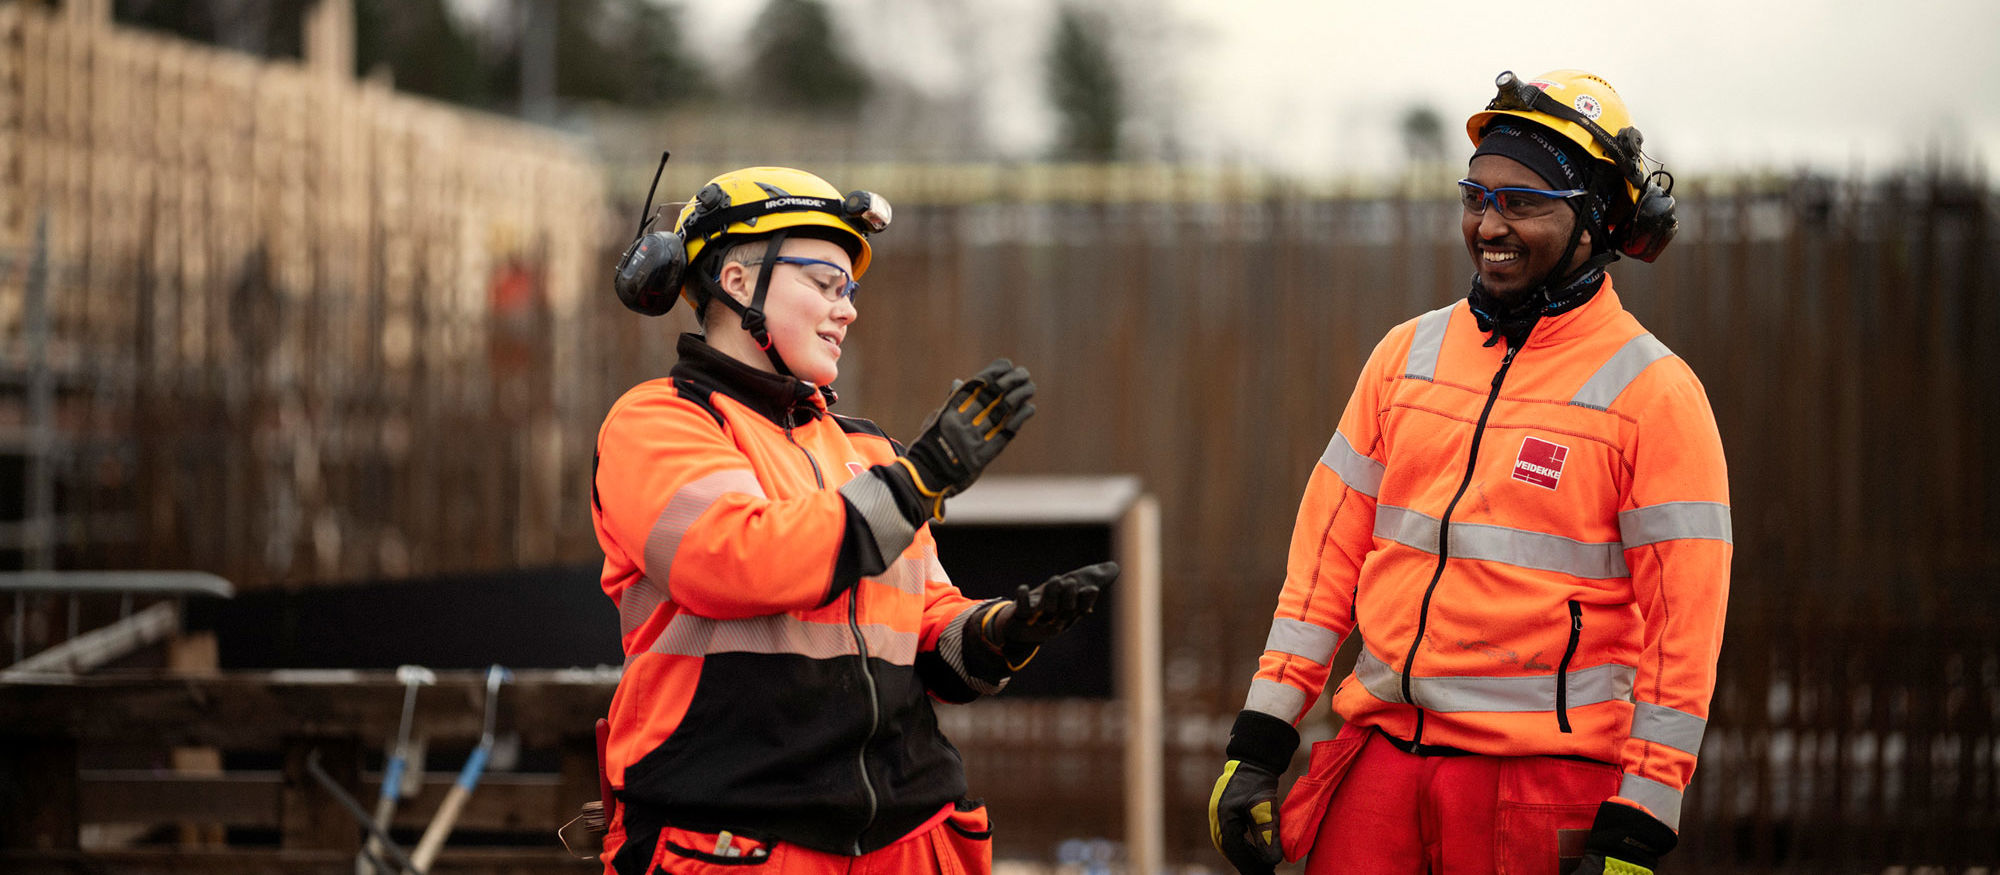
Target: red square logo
1540, 462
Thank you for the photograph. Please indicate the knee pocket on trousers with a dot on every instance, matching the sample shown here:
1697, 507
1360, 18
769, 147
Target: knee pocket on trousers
1544, 812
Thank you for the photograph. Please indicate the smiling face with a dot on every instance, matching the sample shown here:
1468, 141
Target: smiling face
806, 327
1514, 255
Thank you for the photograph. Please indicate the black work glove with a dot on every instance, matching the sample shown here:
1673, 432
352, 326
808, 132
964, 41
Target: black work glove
968, 432
1243, 810
1625, 841
1019, 627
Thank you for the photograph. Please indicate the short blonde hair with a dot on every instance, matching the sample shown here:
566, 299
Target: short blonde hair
746, 254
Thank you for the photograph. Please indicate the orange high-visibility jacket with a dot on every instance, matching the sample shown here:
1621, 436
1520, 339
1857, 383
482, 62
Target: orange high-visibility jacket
1534, 552
784, 623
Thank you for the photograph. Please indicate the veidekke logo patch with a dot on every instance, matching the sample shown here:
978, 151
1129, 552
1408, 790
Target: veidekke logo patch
1540, 462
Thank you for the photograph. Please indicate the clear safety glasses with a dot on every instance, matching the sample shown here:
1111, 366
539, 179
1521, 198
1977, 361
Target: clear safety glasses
831, 279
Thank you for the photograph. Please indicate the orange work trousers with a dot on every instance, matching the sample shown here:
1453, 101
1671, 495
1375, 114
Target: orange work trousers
960, 844
1388, 812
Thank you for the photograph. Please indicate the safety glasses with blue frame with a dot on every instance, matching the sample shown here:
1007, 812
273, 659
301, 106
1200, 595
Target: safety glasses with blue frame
834, 285
1513, 202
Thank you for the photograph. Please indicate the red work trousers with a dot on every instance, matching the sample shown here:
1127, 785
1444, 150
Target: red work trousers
960, 844
1397, 813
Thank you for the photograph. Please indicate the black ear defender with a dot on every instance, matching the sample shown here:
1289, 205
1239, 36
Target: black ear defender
649, 274
1652, 224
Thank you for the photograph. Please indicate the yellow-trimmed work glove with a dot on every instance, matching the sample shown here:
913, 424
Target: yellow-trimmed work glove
967, 433
1243, 810
1625, 841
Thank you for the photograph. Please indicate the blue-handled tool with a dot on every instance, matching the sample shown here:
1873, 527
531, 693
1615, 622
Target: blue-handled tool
411, 677
468, 778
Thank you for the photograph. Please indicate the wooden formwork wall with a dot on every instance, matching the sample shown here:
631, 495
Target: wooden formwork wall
322, 307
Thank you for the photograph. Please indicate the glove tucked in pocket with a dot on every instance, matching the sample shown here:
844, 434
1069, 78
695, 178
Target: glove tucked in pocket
1544, 812
1298, 820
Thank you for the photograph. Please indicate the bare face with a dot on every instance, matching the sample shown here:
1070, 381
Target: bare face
804, 312
1513, 255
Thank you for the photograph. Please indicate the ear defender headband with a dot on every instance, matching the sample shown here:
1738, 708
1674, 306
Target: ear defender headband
1652, 225
652, 270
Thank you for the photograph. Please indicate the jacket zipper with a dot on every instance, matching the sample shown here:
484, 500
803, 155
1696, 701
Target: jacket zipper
874, 713
867, 676
1444, 533
1562, 671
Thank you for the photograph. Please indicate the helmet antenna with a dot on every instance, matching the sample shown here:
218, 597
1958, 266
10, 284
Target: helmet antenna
646, 212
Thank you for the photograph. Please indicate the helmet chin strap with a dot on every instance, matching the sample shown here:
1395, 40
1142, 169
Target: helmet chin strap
752, 316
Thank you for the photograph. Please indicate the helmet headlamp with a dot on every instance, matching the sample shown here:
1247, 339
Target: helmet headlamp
869, 209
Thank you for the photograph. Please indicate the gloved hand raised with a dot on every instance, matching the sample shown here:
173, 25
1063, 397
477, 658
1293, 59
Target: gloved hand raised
1039, 614
1625, 841
968, 432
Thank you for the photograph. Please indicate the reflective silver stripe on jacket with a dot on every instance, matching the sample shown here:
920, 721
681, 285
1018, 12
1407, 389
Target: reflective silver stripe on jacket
1527, 693
638, 602
951, 648
1619, 371
1302, 639
1674, 728
905, 574
1662, 800
1282, 701
689, 635
1360, 473
682, 510
1675, 520
1590, 560
1427, 342
877, 505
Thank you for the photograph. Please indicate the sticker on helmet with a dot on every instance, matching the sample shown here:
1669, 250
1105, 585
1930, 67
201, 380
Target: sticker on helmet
1544, 84
1589, 106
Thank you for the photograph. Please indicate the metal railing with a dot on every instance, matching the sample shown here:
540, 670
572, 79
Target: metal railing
81, 651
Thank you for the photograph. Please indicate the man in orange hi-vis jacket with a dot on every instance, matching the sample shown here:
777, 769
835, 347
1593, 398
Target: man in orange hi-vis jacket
785, 620
1524, 516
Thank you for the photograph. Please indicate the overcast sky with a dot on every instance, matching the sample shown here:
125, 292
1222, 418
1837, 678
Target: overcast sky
1316, 86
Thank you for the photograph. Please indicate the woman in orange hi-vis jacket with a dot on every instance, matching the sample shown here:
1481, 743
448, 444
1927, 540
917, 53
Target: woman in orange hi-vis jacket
785, 620
1524, 516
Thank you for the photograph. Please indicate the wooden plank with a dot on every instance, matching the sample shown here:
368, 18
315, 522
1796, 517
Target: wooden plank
259, 710
38, 799
310, 817
504, 802
99, 646
264, 861
1140, 688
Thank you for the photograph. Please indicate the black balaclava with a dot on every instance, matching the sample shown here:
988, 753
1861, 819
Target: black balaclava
1561, 165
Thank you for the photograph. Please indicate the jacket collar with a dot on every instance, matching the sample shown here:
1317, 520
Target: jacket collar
1592, 315
786, 401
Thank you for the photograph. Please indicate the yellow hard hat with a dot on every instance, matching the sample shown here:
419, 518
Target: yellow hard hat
756, 201
1588, 94
1584, 109
741, 205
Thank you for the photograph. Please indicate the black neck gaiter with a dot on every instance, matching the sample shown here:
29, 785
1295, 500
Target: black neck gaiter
1514, 321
